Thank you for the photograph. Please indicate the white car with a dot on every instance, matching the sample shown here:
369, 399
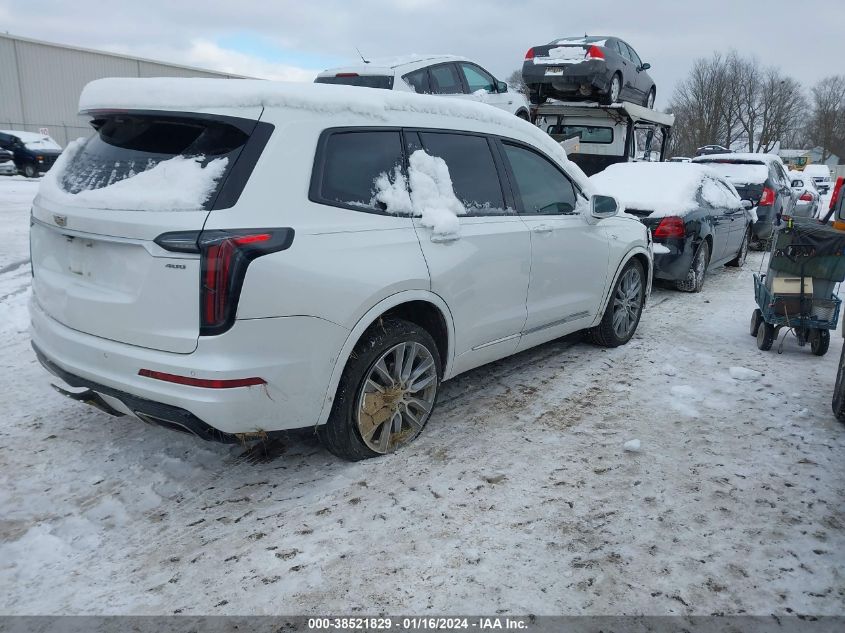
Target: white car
234, 258
820, 175
447, 75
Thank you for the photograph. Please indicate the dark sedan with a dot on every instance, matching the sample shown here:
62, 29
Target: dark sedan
587, 67
760, 178
697, 219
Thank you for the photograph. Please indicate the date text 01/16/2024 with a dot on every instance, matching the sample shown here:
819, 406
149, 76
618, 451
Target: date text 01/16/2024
417, 623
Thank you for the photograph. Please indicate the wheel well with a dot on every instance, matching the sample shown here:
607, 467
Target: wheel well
428, 317
522, 113
643, 259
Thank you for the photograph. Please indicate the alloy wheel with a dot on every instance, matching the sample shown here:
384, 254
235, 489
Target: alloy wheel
396, 397
627, 303
614, 89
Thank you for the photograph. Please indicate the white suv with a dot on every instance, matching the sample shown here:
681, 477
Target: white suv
233, 257
446, 75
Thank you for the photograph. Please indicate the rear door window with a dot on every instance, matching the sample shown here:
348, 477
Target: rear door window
127, 144
418, 80
475, 178
349, 165
542, 187
632, 55
445, 80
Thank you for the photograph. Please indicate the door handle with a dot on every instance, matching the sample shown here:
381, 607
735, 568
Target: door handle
542, 228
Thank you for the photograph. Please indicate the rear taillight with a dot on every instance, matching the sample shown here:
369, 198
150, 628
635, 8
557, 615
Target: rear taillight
768, 197
806, 197
670, 227
595, 52
837, 191
224, 258
529, 54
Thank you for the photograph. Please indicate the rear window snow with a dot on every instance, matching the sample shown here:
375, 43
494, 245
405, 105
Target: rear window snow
180, 183
663, 188
739, 172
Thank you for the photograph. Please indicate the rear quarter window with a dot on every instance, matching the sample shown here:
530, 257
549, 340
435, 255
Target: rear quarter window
348, 163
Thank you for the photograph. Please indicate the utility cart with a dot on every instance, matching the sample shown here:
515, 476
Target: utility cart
797, 292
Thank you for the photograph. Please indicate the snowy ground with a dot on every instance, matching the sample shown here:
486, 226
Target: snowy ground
519, 497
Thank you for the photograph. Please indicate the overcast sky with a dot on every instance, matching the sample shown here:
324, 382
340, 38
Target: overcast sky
285, 39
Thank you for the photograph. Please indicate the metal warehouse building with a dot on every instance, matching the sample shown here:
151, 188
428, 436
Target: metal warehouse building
40, 83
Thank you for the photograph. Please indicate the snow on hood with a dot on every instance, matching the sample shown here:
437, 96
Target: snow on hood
180, 183
427, 192
663, 188
327, 99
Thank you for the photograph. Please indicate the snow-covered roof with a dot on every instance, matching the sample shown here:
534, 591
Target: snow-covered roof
740, 156
191, 94
386, 65
34, 139
664, 188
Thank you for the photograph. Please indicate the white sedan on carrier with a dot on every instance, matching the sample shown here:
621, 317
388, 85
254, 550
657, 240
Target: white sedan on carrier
446, 75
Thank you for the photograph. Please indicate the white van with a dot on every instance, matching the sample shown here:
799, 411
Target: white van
233, 257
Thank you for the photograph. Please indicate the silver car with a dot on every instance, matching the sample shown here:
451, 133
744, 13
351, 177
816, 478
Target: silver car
807, 196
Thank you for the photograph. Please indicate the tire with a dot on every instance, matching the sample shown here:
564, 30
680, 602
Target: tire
838, 403
608, 97
624, 308
342, 433
697, 271
29, 171
739, 260
534, 95
819, 342
522, 114
765, 336
649, 99
756, 321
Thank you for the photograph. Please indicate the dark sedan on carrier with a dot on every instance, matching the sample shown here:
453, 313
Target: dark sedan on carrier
697, 218
587, 67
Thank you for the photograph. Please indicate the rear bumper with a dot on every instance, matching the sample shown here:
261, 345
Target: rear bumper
592, 73
294, 355
674, 265
8, 169
764, 226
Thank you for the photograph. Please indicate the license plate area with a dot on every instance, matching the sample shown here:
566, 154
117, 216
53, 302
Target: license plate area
554, 70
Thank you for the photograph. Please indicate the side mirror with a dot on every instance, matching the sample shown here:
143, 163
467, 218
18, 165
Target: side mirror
645, 66
501, 86
603, 206
746, 204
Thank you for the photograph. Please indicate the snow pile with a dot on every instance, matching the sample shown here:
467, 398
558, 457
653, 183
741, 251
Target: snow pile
170, 93
427, 192
175, 184
664, 188
743, 373
632, 446
660, 249
563, 55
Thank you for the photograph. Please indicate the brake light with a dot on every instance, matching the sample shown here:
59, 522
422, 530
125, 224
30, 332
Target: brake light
837, 191
595, 52
207, 383
768, 197
529, 54
346, 75
224, 258
670, 227
806, 197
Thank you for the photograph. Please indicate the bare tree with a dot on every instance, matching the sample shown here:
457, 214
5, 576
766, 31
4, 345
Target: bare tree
516, 82
826, 124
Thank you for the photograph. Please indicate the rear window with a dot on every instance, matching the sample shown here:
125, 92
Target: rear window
744, 172
364, 81
125, 145
586, 133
